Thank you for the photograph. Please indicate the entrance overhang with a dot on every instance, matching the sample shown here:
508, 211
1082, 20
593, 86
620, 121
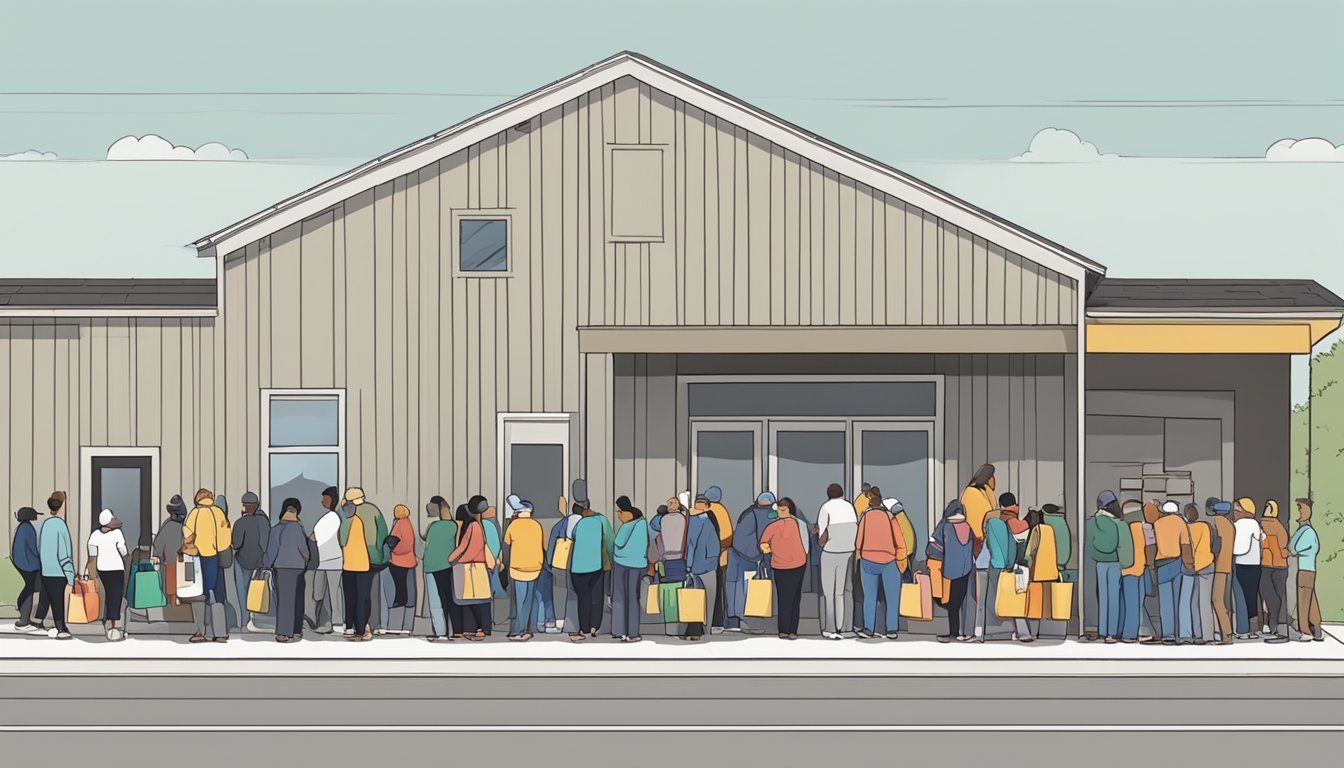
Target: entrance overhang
748, 339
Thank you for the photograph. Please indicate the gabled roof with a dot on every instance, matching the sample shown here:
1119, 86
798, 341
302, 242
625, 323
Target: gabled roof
85, 297
1127, 296
790, 137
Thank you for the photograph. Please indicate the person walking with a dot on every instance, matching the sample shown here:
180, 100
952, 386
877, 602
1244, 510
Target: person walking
953, 544
445, 615
1103, 542
746, 558
837, 531
356, 570
1224, 533
723, 525
107, 558
56, 553
328, 609
1246, 554
251, 540
27, 560
524, 554
786, 541
978, 499
1305, 545
588, 553
289, 555
401, 564
1274, 573
204, 534
1173, 552
471, 549
1201, 583
630, 562
702, 559
878, 544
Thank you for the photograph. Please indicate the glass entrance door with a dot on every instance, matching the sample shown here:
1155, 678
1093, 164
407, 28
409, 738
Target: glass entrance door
536, 464
805, 458
123, 485
727, 454
896, 457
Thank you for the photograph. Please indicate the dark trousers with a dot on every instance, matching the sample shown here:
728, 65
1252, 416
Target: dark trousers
452, 612
1274, 591
32, 586
289, 587
956, 597
716, 620
400, 577
53, 596
588, 586
114, 590
1248, 606
789, 583
358, 589
476, 618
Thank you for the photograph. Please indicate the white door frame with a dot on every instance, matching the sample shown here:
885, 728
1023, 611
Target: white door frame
86, 456
929, 428
266, 450
542, 428
755, 427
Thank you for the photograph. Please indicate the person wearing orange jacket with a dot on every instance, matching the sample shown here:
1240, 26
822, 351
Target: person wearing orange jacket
978, 499
1274, 574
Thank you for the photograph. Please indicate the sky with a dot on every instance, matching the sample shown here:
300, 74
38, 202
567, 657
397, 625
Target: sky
1164, 111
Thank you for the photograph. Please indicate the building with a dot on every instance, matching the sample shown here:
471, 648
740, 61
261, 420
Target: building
632, 277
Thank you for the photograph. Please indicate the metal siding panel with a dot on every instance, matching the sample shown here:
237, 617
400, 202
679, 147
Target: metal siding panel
234, 325
950, 300
66, 443
948, 366
172, 451
396, 340
7, 468
608, 134
816, 251
1012, 289
739, 219
597, 414
552, 258
895, 285
1050, 419
980, 408
878, 216
929, 271
845, 253
567, 314
487, 373
487, 172
659, 259
471, 412
757, 230
696, 292
41, 438
1016, 431
431, 320
206, 388
581, 184
253, 342
862, 294
361, 341
980, 266
1067, 303
776, 254
594, 310
999, 404
190, 427
623, 425
1030, 405
265, 315
662, 425
522, 315
679, 205
1069, 419
625, 104
286, 293
84, 342
454, 405
965, 279
414, 309
967, 424
1030, 305
96, 377
995, 312
830, 250
727, 202
386, 374
1052, 298
317, 321
713, 279
914, 266
118, 382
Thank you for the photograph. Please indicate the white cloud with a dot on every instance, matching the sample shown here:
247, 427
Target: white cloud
1056, 145
153, 147
1305, 150
31, 154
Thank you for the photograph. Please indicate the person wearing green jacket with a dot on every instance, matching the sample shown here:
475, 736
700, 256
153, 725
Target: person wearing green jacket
375, 530
1103, 544
1305, 545
440, 537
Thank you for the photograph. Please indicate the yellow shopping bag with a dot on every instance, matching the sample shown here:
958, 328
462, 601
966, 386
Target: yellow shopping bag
259, 592
1060, 604
471, 581
760, 597
560, 555
691, 605
917, 599
1009, 603
652, 602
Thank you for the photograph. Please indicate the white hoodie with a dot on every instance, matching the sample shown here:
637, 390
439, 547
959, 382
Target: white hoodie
327, 532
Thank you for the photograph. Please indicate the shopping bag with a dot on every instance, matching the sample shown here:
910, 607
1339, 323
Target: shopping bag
917, 599
83, 606
471, 583
1036, 600
190, 582
560, 555
652, 604
691, 602
1060, 602
667, 600
1009, 603
760, 597
1020, 579
259, 592
146, 588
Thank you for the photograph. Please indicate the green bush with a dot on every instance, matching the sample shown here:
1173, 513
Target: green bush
1327, 482
10, 584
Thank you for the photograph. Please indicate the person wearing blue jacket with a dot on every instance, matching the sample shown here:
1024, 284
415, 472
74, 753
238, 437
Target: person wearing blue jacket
1002, 561
745, 557
28, 561
702, 560
289, 555
629, 562
56, 552
590, 550
952, 542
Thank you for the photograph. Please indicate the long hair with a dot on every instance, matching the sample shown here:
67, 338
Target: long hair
982, 476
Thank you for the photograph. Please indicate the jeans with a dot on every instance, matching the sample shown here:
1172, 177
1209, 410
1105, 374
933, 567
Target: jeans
32, 586
1202, 612
1246, 585
438, 594
625, 601
210, 579
836, 568
1108, 599
114, 591
890, 578
400, 575
289, 592
358, 586
1187, 617
524, 605
1131, 607
789, 583
1274, 590
972, 617
956, 600
326, 599
545, 614
53, 596
1168, 592
588, 587
392, 586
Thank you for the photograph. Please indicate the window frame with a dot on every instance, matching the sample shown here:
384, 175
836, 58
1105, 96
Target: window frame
482, 214
267, 450
667, 191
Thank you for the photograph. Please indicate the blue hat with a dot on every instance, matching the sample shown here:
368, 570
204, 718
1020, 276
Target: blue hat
515, 503
1104, 498
1222, 508
251, 498
766, 497
713, 494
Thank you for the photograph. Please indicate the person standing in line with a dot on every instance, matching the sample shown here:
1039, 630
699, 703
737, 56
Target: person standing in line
953, 544
251, 539
1054, 517
524, 554
787, 542
1103, 541
543, 603
472, 549
1019, 530
567, 615
702, 558
440, 536
1274, 574
878, 544
585, 569
1149, 630
630, 563
356, 570
723, 525
671, 530
289, 553
1001, 550
1041, 560
978, 499
1224, 537
862, 502
401, 564
107, 558
232, 616
204, 534
56, 552
27, 560
1246, 554
167, 543
328, 607
837, 530
374, 526
746, 558
494, 543
1305, 545
1173, 562
1201, 584
1133, 558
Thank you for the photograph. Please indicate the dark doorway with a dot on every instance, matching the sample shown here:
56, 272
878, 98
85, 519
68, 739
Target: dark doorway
123, 485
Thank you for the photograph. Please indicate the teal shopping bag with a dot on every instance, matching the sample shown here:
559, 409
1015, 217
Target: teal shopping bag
667, 600
146, 588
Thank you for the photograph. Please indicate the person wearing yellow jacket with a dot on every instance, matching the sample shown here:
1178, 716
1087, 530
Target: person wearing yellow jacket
1274, 574
978, 500
205, 534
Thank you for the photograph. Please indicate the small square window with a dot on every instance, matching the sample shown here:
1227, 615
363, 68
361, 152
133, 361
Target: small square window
304, 421
483, 245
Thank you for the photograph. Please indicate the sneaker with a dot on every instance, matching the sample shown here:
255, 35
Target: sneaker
1169, 641
348, 632
433, 639
1305, 638
1112, 640
864, 634
729, 629
944, 638
252, 626
634, 639
551, 629
833, 636
61, 635
893, 635
966, 638
716, 630
52, 633
381, 632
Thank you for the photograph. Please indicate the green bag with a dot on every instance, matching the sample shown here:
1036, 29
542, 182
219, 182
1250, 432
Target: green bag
667, 600
146, 589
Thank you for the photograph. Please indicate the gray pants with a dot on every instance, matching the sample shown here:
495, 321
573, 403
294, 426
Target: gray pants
972, 612
394, 619
328, 608
1203, 608
836, 568
625, 611
210, 618
571, 611
711, 581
